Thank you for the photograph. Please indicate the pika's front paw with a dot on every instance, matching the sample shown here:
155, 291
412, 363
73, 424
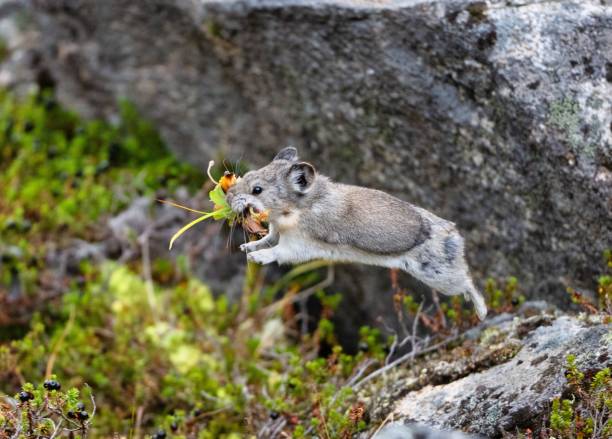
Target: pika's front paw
262, 257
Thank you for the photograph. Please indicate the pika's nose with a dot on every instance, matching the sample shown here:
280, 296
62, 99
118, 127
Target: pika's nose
237, 203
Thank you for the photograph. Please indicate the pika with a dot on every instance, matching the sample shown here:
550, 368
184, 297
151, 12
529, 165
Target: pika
311, 217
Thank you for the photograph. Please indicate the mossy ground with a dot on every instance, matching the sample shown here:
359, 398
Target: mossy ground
158, 354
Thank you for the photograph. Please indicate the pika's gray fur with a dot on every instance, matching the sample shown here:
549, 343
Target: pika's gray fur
312, 217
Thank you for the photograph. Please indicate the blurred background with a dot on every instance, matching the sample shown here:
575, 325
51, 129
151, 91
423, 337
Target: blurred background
493, 114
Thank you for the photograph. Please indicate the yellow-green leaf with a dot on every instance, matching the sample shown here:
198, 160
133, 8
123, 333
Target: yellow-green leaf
217, 196
188, 226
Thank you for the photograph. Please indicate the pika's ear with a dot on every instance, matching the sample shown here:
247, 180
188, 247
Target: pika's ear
289, 153
301, 176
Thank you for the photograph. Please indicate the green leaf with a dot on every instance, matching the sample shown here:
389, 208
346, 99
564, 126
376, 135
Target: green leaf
188, 226
217, 196
225, 213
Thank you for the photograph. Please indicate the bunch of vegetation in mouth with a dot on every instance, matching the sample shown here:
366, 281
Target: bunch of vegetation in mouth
251, 220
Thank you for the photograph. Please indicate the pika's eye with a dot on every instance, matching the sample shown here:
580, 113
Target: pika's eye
257, 190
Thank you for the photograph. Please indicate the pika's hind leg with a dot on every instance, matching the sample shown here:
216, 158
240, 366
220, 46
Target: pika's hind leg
440, 263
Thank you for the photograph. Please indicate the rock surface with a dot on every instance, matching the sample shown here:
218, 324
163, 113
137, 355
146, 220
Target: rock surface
514, 387
401, 431
494, 114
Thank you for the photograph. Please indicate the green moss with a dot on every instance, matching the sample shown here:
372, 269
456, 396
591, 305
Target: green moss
566, 115
109, 335
588, 410
561, 416
61, 174
505, 296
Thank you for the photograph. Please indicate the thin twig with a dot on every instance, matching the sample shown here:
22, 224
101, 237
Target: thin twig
366, 364
60, 341
415, 324
410, 355
56, 428
410, 337
304, 294
389, 416
146, 270
93, 402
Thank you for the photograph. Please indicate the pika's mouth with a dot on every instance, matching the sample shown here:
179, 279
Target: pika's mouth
251, 209
244, 206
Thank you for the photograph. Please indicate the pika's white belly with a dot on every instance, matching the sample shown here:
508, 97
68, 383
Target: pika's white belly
295, 247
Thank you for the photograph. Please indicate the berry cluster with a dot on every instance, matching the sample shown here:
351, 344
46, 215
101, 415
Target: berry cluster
52, 385
80, 413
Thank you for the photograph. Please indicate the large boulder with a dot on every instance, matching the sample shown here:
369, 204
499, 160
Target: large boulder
500, 379
493, 114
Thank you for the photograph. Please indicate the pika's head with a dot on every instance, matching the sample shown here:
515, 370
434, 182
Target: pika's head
278, 187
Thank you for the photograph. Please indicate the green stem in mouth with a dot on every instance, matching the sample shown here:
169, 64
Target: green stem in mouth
188, 226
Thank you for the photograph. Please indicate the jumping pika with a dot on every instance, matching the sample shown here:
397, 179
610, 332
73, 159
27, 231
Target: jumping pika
312, 217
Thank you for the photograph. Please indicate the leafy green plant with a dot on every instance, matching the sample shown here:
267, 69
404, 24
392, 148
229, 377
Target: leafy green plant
587, 412
603, 304
45, 412
208, 363
60, 175
561, 416
504, 297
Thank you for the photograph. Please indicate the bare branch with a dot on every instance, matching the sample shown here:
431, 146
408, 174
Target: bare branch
409, 356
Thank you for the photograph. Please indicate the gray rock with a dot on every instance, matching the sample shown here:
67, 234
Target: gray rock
516, 393
397, 430
494, 114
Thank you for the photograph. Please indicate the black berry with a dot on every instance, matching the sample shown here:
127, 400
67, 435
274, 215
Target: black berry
174, 426
80, 406
10, 224
52, 385
515, 301
83, 415
49, 103
71, 414
25, 396
274, 415
160, 434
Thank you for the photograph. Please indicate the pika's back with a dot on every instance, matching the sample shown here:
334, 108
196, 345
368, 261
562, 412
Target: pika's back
368, 219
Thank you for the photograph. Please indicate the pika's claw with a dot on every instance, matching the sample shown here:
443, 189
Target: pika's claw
249, 246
